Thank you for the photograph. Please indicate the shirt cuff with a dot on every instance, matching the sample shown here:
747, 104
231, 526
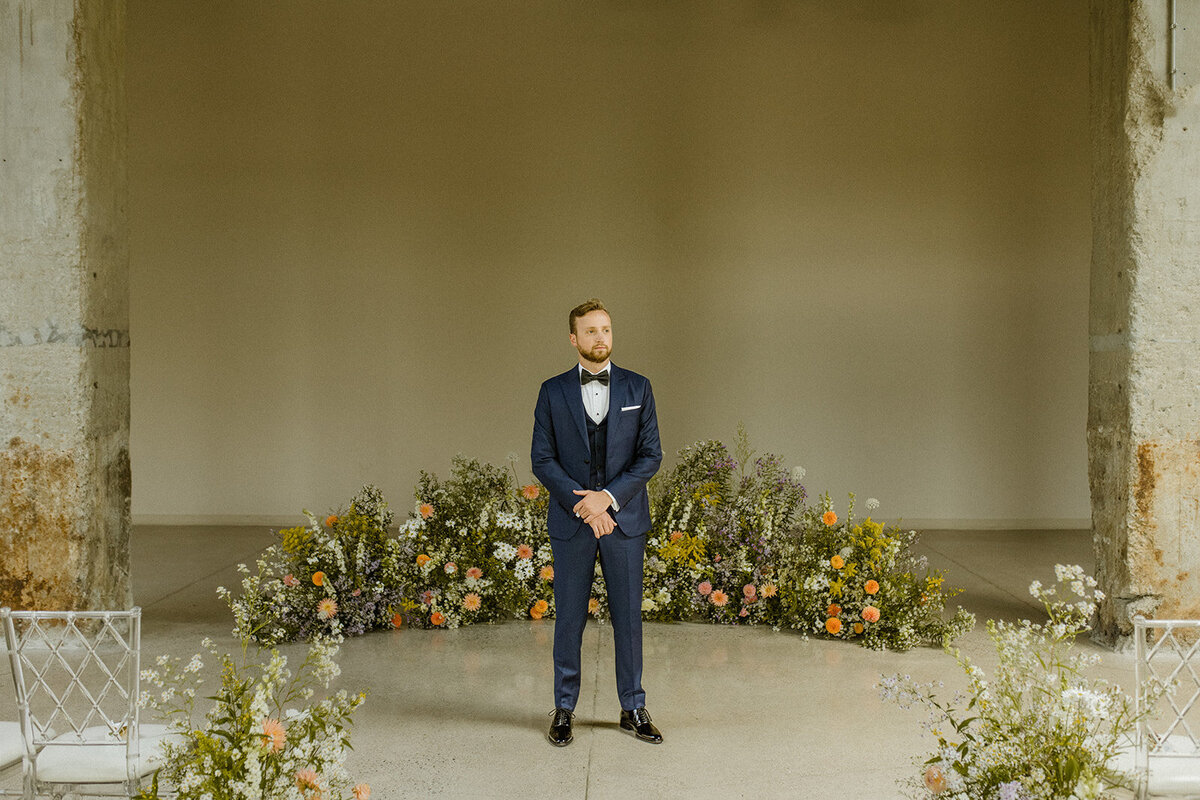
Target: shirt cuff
615, 505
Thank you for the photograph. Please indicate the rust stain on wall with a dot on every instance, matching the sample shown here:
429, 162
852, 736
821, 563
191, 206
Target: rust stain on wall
38, 543
1143, 488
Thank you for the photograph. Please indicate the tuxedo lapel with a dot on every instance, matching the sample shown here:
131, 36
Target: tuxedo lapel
617, 388
574, 398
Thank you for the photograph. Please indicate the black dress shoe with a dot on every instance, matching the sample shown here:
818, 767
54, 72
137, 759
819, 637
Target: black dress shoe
560, 729
638, 723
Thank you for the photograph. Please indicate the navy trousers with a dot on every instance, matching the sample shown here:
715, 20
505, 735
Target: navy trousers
621, 560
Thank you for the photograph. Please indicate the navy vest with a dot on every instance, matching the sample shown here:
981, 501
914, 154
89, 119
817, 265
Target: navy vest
598, 442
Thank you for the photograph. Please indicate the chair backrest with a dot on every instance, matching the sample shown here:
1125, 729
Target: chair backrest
75, 671
1168, 661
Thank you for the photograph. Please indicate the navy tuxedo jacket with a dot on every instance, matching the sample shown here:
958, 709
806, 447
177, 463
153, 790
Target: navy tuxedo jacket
560, 452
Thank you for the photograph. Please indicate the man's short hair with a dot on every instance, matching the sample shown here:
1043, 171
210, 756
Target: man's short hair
583, 308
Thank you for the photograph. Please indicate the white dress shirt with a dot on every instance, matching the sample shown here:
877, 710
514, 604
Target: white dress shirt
595, 404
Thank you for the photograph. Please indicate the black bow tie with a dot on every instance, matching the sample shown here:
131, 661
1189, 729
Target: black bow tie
586, 377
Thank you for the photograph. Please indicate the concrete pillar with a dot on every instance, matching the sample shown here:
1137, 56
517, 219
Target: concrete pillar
1144, 406
64, 306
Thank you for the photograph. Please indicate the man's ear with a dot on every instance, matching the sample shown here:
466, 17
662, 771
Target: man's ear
574, 343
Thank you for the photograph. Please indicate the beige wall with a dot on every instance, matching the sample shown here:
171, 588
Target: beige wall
861, 228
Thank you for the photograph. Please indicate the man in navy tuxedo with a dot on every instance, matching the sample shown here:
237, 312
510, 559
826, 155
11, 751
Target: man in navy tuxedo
595, 445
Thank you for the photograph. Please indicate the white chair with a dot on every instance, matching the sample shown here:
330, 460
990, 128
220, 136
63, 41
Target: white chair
79, 672
1166, 747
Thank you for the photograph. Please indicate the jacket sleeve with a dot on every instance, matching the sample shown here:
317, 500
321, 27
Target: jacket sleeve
647, 456
543, 455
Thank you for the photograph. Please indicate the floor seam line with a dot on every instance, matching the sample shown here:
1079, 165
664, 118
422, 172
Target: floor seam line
193, 583
984, 578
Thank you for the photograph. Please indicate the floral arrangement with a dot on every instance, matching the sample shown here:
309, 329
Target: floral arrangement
746, 548
731, 541
262, 737
333, 577
1039, 729
863, 581
476, 549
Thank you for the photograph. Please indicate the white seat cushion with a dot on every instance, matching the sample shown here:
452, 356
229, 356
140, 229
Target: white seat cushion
1173, 775
100, 763
12, 747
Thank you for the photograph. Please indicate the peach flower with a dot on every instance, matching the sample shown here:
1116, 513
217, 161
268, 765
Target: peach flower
307, 779
361, 791
273, 735
524, 551
870, 614
593, 605
397, 619
837, 562
547, 573
450, 568
834, 610
871, 587
676, 535
427, 596
472, 602
749, 591
829, 518
718, 598
539, 609
423, 559
833, 625
326, 607
530, 492
437, 619
475, 572
426, 510
290, 580
743, 613
318, 578
858, 627
769, 590
935, 779
331, 520
705, 588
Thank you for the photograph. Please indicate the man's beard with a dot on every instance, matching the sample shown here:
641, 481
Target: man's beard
595, 355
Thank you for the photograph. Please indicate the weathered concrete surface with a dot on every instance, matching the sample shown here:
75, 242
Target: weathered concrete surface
1143, 426
64, 311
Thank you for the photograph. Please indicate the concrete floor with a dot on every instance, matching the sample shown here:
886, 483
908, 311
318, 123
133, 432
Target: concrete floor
745, 712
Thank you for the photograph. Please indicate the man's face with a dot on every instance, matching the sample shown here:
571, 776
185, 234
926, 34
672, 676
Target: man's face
593, 337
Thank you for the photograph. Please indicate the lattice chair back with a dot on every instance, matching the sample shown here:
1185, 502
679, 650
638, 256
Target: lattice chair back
1167, 674
77, 679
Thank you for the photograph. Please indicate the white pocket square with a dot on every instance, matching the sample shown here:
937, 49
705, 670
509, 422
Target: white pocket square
631, 408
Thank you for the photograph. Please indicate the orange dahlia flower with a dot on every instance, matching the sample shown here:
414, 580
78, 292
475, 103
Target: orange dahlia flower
837, 562
426, 510
834, 610
422, 560
331, 520
274, 735
833, 625
547, 573
718, 598
768, 590
870, 614
593, 605
858, 627
397, 620
318, 578
472, 602
539, 609
530, 492
437, 619
829, 518
871, 587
